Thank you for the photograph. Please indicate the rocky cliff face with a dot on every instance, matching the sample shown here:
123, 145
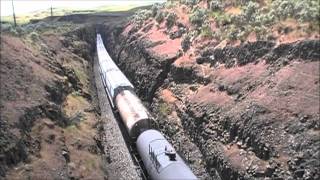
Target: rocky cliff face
237, 111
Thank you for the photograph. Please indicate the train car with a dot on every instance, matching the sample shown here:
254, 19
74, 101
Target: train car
109, 69
121, 95
135, 116
160, 158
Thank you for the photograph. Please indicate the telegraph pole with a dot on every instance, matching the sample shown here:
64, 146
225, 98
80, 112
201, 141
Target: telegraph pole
14, 15
51, 9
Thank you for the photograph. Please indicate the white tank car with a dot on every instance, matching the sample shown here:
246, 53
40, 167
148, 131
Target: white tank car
120, 93
161, 159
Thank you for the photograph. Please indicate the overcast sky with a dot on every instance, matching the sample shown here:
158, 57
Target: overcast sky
25, 6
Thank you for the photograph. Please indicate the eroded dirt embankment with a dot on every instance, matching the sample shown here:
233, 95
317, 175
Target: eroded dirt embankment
51, 123
246, 111
48, 115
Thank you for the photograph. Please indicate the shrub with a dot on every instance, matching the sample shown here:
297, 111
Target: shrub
170, 4
283, 9
155, 9
186, 42
9, 28
240, 2
189, 2
233, 32
256, 19
221, 18
215, 5
261, 32
140, 16
6, 26
244, 32
206, 31
164, 109
165, 13
238, 20
171, 19
302, 10
34, 36
39, 27
159, 17
307, 11
198, 16
250, 10
264, 19
217, 35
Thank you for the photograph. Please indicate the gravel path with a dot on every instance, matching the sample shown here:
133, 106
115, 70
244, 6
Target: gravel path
118, 159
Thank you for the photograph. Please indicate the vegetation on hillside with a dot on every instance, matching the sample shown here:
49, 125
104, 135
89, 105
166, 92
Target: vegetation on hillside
248, 16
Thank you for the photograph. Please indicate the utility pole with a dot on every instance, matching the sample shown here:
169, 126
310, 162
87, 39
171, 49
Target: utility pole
14, 15
51, 9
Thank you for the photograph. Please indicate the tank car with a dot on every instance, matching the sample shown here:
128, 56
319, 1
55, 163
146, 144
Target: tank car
160, 158
120, 93
132, 112
113, 79
157, 154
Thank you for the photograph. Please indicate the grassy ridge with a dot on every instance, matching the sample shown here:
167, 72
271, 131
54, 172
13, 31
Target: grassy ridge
25, 18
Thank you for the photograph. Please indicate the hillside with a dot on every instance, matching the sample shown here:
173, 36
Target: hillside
51, 126
233, 84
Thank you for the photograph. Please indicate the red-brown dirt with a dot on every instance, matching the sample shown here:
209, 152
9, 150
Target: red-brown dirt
35, 109
250, 108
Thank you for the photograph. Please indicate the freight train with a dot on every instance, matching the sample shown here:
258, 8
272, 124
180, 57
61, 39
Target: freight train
158, 155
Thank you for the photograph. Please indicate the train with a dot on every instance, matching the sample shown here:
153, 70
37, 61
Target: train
159, 157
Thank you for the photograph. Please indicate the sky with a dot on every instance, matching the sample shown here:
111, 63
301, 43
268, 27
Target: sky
26, 6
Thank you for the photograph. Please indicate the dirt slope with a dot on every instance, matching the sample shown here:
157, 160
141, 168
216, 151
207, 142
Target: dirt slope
48, 118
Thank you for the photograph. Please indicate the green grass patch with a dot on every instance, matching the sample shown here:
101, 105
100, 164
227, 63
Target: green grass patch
206, 32
71, 128
164, 109
221, 17
81, 74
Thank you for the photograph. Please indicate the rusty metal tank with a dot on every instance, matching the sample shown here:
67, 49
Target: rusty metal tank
133, 113
113, 79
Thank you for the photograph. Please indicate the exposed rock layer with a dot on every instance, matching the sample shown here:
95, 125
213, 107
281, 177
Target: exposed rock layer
243, 108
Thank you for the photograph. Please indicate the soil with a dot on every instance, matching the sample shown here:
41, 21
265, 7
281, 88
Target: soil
233, 110
51, 123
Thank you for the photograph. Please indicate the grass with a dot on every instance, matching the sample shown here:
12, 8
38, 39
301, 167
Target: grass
206, 32
115, 8
220, 16
25, 18
90, 163
164, 109
71, 128
83, 77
